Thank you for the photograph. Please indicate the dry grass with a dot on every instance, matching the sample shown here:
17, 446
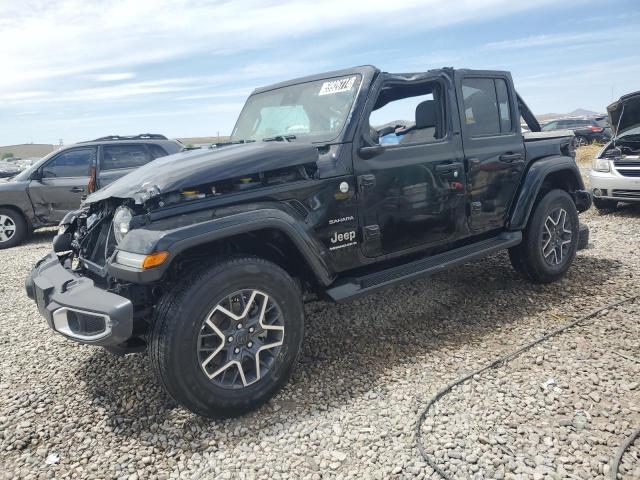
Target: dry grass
584, 155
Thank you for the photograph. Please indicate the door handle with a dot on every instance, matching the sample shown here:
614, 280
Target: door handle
511, 157
77, 189
447, 167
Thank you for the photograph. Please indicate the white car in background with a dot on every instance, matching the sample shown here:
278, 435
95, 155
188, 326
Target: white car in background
615, 172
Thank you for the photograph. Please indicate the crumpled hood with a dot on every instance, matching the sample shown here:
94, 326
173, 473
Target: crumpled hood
626, 112
197, 167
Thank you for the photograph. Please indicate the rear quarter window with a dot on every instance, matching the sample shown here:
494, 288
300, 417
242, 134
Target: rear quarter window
115, 157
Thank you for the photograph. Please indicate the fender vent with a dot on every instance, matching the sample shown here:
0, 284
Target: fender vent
299, 208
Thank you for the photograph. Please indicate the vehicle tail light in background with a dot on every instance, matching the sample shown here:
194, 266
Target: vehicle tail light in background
91, 186
596, 129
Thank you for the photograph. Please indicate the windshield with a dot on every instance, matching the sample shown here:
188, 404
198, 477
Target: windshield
316, 111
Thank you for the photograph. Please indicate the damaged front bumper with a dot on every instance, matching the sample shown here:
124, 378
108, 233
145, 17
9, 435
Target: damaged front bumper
76, 308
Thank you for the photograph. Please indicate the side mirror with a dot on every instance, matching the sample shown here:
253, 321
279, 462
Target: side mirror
370, 152
37, 175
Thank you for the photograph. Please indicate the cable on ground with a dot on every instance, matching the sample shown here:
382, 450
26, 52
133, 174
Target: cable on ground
503, 360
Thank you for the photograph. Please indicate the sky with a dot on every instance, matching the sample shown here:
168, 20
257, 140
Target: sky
75, 70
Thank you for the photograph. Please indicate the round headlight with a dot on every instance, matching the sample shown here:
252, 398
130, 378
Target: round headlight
121, 223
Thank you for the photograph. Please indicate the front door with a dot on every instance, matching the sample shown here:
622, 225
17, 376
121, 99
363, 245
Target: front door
61, 184
409, 167
493, 146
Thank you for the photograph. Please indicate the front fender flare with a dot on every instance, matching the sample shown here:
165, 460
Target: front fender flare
178, 240
532, 183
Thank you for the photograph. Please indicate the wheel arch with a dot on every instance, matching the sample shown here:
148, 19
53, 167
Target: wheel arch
269, 233
556, 172
20, 212
270, 243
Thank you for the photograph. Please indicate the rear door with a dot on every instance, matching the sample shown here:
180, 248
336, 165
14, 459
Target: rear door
493, 146
62, 184
411, 193
119, 159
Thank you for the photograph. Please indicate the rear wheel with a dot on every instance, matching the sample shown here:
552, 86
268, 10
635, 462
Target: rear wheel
228, 338
550, 240
13, 228
581, 141
605, 204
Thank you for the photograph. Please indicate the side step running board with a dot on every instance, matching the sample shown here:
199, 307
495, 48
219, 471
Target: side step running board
354, 287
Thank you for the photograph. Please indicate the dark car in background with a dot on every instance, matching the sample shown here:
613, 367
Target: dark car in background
41, 195
586, 130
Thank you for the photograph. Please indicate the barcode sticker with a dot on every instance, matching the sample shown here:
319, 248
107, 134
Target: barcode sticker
337, 86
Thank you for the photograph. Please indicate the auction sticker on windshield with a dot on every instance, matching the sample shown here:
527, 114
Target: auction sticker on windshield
337, 86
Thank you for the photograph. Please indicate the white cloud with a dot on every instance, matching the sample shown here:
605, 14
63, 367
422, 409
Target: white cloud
43, 40
22, 95
112, 77
569, 39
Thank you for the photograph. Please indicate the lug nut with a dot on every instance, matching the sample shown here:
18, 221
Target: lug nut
251, 329
231, 339
239, 326
236, 350
250, 344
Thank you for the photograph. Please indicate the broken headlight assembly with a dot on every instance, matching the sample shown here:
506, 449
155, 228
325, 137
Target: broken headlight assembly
600, 165
122, 223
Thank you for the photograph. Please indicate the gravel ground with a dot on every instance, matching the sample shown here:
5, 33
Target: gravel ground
367, 370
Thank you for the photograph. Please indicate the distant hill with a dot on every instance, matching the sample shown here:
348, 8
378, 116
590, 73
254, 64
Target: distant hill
578, 112
581, 112
202, 140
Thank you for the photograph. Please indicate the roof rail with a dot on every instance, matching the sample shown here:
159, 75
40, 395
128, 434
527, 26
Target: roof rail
142, 136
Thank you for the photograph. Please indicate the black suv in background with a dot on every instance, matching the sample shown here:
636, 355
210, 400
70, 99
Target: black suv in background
42, 194
586, 130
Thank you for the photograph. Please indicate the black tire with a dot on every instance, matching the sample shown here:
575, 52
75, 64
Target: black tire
13, 228
180, 320
529, 258
580, 142
605, 204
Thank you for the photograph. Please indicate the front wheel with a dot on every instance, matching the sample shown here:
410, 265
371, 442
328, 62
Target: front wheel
227, 339
13, 228
550, 240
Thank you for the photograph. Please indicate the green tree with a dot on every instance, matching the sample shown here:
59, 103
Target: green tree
7, 155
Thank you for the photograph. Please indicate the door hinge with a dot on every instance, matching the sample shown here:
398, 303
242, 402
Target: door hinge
366, 181
476, 208
371, 232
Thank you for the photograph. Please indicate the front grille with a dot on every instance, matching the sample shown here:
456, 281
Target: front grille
628, 172
626, 193
99, 244
627, 163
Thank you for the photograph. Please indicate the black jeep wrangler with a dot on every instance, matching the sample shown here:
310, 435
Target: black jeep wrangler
333, 185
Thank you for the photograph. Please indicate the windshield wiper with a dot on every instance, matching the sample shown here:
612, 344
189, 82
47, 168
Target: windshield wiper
279, 138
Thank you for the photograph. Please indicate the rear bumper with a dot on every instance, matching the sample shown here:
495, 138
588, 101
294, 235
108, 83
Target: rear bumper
75, 307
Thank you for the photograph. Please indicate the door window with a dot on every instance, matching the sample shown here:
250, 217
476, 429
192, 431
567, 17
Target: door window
503, 105
407, 114
74, 163
486, 106
115, 157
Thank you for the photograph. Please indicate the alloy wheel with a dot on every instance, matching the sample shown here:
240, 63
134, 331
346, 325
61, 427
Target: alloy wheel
556, 237
240, 339
7, 228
